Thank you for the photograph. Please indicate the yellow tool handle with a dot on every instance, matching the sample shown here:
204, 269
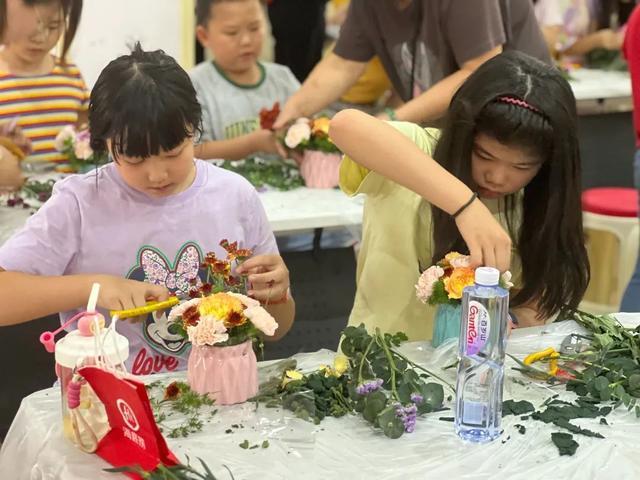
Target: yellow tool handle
148, 308
534, 357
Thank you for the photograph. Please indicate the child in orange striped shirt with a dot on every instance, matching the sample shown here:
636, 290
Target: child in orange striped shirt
39, 92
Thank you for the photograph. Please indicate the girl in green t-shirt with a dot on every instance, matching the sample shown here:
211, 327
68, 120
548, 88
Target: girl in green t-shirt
509, 136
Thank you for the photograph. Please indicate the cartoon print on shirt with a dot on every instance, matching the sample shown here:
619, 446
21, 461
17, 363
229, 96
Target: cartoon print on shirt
154, 267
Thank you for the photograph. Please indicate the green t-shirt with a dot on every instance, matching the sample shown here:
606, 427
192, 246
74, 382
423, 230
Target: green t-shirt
397, 241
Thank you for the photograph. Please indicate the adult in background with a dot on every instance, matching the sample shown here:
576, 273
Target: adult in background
428, 48
631, 50
298, 28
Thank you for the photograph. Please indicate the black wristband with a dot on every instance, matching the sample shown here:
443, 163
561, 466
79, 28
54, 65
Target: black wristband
463, 207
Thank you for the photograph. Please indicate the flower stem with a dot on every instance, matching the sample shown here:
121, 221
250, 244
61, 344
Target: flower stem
364, 358
431, 374
392, 364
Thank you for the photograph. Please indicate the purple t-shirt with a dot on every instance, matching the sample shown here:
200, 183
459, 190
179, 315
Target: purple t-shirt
101, 225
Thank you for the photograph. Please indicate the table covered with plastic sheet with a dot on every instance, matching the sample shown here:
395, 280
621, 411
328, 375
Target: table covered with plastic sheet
348, 447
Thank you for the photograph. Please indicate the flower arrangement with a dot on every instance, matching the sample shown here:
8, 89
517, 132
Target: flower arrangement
444, 282
371, 378
320, 162
76, 145
306, 134
219, 313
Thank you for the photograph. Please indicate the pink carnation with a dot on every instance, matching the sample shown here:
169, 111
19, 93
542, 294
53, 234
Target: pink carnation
463, 261
246, 301
208, 331
262, 320
65, 135
297, 133
426, 282
82, 149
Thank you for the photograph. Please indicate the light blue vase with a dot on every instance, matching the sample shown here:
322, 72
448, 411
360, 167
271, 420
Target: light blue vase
447, 323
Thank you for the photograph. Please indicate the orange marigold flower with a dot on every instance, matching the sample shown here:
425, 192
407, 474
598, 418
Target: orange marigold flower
460, 278
172, 391
234, 319
243, 253
221, 267
191, 316
210, 259
320, 126
230, 248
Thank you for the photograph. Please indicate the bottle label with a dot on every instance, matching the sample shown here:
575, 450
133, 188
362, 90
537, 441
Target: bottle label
478, 325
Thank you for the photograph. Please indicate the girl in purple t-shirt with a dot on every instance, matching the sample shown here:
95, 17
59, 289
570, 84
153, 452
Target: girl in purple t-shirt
140, 226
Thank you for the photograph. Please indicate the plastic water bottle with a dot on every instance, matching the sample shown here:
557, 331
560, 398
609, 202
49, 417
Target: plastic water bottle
483, 334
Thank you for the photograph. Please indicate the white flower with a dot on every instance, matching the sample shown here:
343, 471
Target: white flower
246, 301
83, 150
429, 277
178, 310
208, 331
297, 133
262, 320
67, 133
505, 280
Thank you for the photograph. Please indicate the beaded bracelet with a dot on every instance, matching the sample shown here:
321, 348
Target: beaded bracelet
391, 113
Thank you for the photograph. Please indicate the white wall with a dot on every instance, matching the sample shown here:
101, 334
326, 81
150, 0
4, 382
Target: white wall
107, 28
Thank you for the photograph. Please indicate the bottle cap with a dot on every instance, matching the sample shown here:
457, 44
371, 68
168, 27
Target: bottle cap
74, 347
487, 276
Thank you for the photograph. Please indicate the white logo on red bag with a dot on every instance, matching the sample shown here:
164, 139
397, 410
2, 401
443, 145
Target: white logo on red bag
127, 415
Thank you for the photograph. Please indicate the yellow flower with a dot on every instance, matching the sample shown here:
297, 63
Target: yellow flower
321, 125
290, 376
340, 364
460, 278
222, 306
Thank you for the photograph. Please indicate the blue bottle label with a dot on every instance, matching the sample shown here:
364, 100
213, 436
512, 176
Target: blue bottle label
478, 326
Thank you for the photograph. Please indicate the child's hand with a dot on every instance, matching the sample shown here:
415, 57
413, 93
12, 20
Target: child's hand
488, 242
16, 135
121, 294
10, 173
266, 141
268, 276
609, 39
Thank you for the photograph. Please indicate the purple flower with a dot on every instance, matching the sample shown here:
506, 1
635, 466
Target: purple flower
369, 386
408, 416
416, 398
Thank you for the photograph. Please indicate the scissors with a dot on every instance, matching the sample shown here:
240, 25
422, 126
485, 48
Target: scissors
571, 345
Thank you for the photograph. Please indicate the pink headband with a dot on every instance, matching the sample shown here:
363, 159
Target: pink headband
519, 103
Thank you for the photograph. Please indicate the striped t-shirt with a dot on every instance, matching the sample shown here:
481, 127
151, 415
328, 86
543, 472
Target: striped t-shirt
43, 105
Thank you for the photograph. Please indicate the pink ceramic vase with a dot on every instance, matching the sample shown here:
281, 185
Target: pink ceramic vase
228, 374
320, 169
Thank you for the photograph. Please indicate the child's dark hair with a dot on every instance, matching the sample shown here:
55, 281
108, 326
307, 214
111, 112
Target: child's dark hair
550, 240
71, 12
143, 103
203, 10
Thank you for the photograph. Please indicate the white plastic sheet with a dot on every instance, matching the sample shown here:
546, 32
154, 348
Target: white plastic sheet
347, 447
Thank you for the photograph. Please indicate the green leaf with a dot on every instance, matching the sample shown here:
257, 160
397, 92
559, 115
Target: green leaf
511, 407
603, 339
432, 394
634, 382
244, 444
565, 443
265, 444
374, 403
390, 424
601, 383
